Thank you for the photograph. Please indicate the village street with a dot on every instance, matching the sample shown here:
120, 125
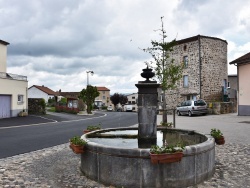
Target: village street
58, 167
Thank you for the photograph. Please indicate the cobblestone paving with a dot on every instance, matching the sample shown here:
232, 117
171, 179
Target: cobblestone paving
58, 167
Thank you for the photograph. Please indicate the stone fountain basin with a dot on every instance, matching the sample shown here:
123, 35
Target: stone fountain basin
132, 167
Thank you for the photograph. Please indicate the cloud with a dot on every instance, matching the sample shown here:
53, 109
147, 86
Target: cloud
55, 42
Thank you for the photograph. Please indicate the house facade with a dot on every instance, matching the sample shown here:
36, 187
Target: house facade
243, 69
132, 100
205, 70
104, 97
13, 92
44, 92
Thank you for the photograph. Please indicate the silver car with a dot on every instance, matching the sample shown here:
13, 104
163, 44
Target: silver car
192, 107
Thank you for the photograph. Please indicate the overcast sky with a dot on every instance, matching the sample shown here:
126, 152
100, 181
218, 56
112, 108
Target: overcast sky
54, 42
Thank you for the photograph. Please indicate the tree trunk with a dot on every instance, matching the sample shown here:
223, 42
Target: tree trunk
164, 114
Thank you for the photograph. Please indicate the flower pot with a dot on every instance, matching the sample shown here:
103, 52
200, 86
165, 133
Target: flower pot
76, 148
86, 131
220, 141
166, 157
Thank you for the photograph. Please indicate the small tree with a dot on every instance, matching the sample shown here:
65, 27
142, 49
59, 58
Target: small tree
167, 72
123, 99
115, 99
88, 96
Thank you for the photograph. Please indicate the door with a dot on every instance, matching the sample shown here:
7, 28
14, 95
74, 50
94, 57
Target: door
5, 102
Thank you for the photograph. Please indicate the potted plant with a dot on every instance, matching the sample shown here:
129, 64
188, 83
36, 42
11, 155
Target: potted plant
218, 136
166, 154
77, 144
23, 113
92, 128
166, 124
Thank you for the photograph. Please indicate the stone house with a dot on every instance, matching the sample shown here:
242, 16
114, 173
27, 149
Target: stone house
243, 69
205, 70
13, 92
44, 92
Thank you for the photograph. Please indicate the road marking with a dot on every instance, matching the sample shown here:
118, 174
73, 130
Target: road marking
55, 122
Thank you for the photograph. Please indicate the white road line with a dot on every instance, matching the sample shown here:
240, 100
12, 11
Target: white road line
50, 122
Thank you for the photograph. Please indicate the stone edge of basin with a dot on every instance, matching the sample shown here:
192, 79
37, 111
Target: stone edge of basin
144, 153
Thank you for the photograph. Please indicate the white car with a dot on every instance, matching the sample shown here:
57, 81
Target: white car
110, 108
192, 107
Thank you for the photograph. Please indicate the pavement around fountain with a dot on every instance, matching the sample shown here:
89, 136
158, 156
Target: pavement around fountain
58, 166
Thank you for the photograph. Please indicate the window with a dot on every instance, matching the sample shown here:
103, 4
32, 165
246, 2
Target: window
133, 97
228, 84
185, 81
20, 99
103, 97
185, 61
103, 92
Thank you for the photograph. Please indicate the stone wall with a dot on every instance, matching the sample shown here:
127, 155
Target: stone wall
212, 54
36, 106
222, 107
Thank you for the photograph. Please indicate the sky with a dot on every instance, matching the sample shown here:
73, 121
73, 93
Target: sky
55, 42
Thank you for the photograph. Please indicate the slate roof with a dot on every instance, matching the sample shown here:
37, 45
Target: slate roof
4, 42
245, 59
44, 89
194, 38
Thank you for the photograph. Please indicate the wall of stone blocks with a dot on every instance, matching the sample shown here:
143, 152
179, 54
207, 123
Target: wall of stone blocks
213, 68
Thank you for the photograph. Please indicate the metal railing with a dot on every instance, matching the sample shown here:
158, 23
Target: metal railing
12, 76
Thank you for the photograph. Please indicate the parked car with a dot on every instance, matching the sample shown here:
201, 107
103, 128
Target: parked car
192, 107
110, 108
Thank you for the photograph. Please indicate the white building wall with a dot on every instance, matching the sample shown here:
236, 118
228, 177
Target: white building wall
3, 54
33, 92
15, 88
132, 100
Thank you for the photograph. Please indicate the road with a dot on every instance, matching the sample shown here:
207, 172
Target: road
18, 137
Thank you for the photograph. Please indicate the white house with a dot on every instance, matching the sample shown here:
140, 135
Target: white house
13, 88
132, 100
36, 91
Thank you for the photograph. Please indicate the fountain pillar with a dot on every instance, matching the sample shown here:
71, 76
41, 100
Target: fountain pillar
147, 110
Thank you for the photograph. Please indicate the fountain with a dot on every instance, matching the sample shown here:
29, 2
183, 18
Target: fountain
120, 156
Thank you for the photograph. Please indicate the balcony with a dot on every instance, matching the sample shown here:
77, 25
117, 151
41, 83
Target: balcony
12, 76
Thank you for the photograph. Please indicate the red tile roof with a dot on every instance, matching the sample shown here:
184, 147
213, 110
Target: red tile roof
245, 59
45, 89
101, 88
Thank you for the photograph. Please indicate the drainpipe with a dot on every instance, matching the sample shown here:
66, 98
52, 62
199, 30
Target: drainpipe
199, 42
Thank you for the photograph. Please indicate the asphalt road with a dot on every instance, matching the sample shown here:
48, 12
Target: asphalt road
25, 134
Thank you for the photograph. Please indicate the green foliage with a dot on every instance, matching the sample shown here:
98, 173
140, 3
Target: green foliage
43, 106
167, 124
88, 96
63, 101
166, 70
81, 105
93, 127
166, 149
104, 107
76, 140
216, 133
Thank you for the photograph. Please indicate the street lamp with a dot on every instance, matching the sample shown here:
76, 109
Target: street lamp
92, 72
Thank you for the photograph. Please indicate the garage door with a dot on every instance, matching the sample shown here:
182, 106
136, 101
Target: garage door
5, 106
